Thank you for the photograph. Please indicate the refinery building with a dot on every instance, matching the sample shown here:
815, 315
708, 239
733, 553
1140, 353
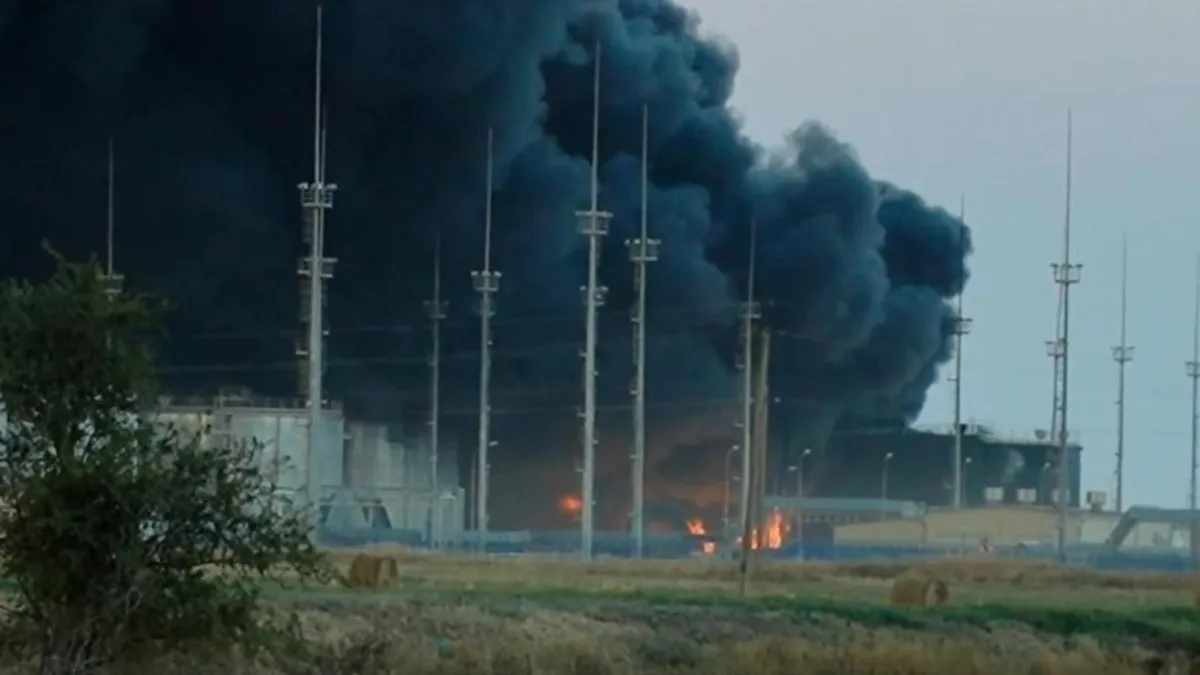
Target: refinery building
375, 482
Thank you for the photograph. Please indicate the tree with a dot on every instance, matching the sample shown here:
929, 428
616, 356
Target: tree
121, 535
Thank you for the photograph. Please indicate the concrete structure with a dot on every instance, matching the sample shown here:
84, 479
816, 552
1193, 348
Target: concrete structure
1001, 525
389, 476
1172, 527
279, 426
374, 483
1004, 525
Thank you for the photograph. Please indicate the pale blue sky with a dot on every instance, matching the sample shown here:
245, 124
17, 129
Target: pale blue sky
951, 96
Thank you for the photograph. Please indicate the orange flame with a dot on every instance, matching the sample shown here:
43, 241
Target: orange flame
772, 536
696, 526
571, 504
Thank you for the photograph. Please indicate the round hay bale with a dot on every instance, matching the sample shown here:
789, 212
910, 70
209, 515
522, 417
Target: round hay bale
918, 590
364, 571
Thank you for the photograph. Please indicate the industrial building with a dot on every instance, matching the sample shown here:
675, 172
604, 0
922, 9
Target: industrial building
375, 482
916, 464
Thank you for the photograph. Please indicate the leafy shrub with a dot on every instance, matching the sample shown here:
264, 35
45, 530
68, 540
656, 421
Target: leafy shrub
122, 537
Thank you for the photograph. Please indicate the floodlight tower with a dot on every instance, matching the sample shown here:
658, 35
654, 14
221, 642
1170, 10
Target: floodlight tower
751, 312
1066, 274
487, 284
437, 314
113, 282
316, 198
594, 226
1193, 372
642, 250
962, 326
1122, 354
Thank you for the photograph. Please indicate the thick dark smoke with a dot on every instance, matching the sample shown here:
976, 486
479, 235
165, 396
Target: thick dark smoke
211, 105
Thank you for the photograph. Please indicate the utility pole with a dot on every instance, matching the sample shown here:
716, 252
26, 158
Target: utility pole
437, 313
316, 199
962, 326
594, 226
1066, 274
1193, 371
113, 282
1122, 354
761, 438
751, 312
642, 250
487, 283
752, 524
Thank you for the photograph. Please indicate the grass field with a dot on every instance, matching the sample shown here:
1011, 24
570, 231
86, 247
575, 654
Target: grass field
455, 615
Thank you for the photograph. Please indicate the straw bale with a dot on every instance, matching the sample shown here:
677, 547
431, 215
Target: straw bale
919, 590
364, 571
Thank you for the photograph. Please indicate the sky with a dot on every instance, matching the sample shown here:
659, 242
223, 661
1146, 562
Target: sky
953, 98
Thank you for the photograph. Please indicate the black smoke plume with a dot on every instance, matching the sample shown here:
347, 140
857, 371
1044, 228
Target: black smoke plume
210, 102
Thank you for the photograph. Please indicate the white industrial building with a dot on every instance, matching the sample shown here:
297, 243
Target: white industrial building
375, 483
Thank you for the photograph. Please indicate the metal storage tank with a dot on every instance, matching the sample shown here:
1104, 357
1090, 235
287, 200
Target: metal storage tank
279, 425
367, 456
420, 462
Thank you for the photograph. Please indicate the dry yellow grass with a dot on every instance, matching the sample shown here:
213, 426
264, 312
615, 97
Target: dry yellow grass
974, 580
465, 640
636, 638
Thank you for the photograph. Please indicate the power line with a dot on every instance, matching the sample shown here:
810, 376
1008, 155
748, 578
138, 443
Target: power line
468, 355
659, 314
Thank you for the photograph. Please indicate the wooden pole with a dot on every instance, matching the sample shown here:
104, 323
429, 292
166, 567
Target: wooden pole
753, 521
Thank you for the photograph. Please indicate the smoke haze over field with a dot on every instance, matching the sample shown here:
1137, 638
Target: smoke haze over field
211, 105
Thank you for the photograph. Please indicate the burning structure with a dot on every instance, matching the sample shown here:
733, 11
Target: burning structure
854, 274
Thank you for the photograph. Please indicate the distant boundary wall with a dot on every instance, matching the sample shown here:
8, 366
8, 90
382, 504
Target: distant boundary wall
674, 546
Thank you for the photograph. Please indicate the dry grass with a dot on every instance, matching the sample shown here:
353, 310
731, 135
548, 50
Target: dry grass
500, 633
975, 580
465, 640
376, 632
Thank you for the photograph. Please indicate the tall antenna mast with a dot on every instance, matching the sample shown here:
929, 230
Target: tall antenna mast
751, 312
1122, 354
316, 198
437, 313
962, 326
1193, 371
642, 250
113, 282
1054, 351
594, 226
486, 283
1066, 274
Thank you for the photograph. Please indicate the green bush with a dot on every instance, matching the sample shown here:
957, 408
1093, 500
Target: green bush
121, 537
